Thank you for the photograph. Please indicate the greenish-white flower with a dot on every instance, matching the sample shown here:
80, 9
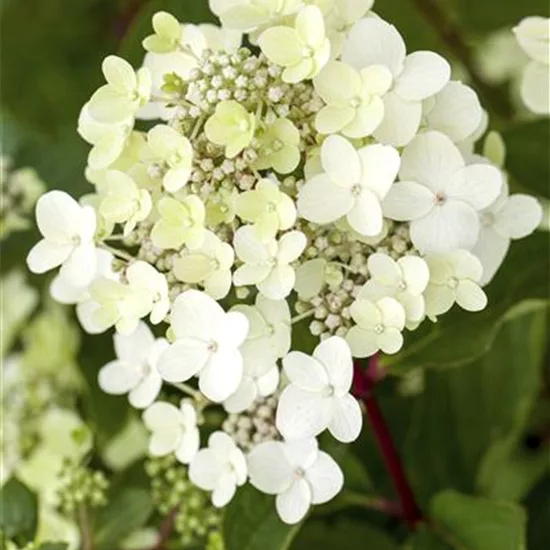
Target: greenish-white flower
167, 34
353, 98
220, 207
124, 201
303, 49
125, 92
181, 222
268, 208
279, 147
231, 126
175, 151
210, 265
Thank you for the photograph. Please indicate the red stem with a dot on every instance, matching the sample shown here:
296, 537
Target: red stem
364, 383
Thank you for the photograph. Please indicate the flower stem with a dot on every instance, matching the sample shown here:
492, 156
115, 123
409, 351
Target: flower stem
450, 34
116, 252
85, 531
302, 316
364, 382
185, 388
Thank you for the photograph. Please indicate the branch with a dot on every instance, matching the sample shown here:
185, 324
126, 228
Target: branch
85, 530
435, 15
364, 382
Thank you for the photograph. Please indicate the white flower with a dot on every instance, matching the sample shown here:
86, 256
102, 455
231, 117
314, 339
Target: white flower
533, 35
416, 76
173, 430
267, 207
124, 202
297, 472
454, 277
440, 195
405, 280
220, 468
209, 264
266, 264
125, 92
135, 369
220, 39
207, 344
108, 140
379, 326
454, 111
310, 278
145, 278
268, 340
353, 185
353, 99
68, 230
318, 395
509, 217
174, 150
303, 49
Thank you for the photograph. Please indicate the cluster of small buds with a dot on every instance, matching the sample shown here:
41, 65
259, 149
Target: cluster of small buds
81, 487
19, 191
195, 519
255, 425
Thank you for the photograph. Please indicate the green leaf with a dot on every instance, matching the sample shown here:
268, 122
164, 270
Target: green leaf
538, 507
426, 539
460, 336
251, 523
53, 546
470, 523
19, 517
527, 146
343, 535
127, 511
464, 414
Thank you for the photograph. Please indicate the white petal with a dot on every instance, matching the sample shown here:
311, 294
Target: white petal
447, 227
135, 347
365, 120
293, 504
302, 414
249, 247
477, 185
118, 377
269, 469
424, 74
430, 159
415, 274
269, 382
335, 355
305, 371
46, 255
232, 332
532, 33
407, 200
251, 274
146, 391
222, 375
491, 249
195, 314
322, 201
337, 83
519, 217
535, 88
58, 216
242, 398
80, 266
439, 299
362, 342
326, 479
380, 165
279, 283
189, 446
384, 269
224, 490
205, 469
372, 41
401, 120
65, 293
366, 216
310, 277
347, 419
310, 26
341, 161
390, 341
469, 296
457, 112
393, 314
183, 359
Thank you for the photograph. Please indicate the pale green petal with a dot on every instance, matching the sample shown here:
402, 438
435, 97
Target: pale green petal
166, 234
172, 209
310, 26
193, 268
282, 46
107, 105
377, 79
166, 25
286, 131
250, 206
158, 44
175, 179
330, 120
338, 84
301, 71
106, 150
119, 74
286, 160
164, 140
366, 120
286, 210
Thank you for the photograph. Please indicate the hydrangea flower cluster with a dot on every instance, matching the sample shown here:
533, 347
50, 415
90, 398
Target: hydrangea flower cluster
323, 179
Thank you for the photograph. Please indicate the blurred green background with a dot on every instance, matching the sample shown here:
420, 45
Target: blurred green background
477, 429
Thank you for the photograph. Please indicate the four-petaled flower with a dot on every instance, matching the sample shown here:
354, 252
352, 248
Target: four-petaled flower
207, 344
279, 147
173, 430
318, 395
440, 195
134, 371
297, 472
353, 184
